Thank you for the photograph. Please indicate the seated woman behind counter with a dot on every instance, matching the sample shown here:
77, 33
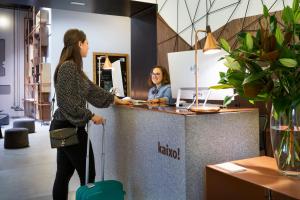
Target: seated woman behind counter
161, 90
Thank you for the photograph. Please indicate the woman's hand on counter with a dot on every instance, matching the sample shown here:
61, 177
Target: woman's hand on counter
98, 119
118, 101
159, 100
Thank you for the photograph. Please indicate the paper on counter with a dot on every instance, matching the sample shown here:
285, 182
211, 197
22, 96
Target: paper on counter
231, 167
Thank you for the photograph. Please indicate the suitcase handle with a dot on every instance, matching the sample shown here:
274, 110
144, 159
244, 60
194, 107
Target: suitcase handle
89, 185
103, 152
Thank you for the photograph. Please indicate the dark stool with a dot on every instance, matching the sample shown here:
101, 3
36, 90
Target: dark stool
25, 123
16, 138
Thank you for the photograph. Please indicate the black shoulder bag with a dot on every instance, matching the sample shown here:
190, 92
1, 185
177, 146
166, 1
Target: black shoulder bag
62, 137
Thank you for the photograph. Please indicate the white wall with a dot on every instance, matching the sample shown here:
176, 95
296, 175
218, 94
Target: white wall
12, 76
105, 33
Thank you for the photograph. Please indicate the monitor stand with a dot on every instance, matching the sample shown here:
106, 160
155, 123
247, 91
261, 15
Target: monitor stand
198, 108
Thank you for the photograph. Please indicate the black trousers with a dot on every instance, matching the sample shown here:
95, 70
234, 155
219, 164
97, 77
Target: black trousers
69, 159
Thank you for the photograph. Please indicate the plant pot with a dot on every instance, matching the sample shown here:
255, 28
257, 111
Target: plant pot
285, 138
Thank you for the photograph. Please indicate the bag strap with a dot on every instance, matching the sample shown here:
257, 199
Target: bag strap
52, 105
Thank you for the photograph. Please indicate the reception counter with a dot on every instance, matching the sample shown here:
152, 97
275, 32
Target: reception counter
160, 153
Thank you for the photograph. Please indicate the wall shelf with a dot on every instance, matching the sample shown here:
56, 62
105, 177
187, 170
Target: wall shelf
37, 73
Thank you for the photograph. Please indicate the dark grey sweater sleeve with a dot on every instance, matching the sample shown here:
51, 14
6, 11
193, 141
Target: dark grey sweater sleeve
99, 97
69, 100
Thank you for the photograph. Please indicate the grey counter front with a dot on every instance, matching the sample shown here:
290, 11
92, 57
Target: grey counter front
161, 154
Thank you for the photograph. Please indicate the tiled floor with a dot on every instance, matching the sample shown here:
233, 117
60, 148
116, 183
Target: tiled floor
28, 173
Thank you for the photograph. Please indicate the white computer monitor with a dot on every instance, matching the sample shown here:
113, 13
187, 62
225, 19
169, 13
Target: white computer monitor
117, 79
182, 74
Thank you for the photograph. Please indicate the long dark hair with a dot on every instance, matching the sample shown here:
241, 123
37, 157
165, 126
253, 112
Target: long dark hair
165, 76
71, 50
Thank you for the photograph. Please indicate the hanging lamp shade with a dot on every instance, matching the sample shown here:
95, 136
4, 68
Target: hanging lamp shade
107, 64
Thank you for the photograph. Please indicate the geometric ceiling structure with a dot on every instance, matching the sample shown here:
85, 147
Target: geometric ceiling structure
186, 16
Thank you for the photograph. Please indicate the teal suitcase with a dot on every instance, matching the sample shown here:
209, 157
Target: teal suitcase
101, 190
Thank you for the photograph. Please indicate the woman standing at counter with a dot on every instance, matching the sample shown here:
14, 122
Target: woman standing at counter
161, 90
73, 90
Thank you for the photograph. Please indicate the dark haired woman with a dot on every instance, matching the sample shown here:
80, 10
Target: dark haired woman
161, 90
73, 90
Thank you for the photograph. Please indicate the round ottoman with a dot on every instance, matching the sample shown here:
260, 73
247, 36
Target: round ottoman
16, 138
25, 123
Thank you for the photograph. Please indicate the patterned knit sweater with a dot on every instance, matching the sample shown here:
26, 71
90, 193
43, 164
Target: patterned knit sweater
73, 90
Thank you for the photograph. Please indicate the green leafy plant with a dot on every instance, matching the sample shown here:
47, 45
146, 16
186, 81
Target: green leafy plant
266, 64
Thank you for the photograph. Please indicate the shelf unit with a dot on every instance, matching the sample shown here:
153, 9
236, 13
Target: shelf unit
37, 73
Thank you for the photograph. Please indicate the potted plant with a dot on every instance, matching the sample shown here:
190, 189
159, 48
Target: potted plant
266, 67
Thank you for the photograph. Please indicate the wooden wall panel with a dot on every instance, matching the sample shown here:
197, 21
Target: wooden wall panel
231, 29
143, 50
168, 41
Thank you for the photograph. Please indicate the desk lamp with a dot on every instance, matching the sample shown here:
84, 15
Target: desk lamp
210, 47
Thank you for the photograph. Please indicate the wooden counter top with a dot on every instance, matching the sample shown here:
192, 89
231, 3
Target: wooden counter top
174, 110
262, 171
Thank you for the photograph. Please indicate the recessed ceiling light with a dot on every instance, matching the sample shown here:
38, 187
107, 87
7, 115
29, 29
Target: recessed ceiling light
4, 22
77, 3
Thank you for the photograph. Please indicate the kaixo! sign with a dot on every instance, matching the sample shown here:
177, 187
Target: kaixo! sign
167, 151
